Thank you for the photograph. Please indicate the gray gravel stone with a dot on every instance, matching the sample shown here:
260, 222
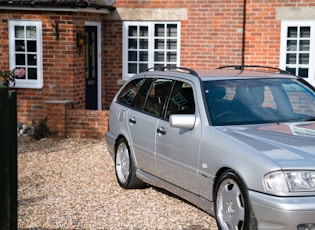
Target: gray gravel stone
71, 184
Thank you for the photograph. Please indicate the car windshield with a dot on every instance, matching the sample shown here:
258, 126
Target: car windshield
255, 101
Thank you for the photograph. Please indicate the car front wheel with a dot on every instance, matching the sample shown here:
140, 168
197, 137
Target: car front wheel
232, 207
125, 168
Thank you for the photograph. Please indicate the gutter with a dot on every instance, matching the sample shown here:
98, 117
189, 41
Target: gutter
243, 36
60, 5
58, 9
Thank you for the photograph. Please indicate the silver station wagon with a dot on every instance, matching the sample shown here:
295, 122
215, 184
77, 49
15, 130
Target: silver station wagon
237, 142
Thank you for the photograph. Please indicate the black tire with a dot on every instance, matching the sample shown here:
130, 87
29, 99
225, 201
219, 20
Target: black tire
232, 206
125, 168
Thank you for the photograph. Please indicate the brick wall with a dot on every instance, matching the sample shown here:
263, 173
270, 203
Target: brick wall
212, 34
86, 123
63, 66
63, 120
112, 63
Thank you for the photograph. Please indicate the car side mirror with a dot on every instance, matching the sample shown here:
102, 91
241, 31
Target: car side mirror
185, 121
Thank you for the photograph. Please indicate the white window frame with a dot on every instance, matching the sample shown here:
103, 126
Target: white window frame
283, 47
27, 83
151, 37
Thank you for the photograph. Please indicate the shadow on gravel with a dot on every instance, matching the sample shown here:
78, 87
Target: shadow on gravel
161, 190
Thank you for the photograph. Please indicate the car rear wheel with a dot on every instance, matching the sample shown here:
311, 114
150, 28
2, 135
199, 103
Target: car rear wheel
125, 168
232, 207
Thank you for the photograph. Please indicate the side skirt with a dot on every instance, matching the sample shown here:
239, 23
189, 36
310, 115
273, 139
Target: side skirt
200, 202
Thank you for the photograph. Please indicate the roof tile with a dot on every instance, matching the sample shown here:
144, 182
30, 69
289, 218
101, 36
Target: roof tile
64, 3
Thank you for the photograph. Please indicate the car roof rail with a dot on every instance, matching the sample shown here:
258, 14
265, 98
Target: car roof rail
165, 68
241, 67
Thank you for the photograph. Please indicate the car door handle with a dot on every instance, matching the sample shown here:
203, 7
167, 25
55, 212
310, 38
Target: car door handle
161, 131
132, 121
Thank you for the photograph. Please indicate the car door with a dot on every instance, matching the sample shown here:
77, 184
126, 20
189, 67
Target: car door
142, 122
176, 148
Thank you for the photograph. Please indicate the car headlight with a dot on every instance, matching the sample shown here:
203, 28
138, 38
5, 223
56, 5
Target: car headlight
290, 181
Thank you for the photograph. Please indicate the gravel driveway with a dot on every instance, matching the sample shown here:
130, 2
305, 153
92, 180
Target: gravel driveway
71, 184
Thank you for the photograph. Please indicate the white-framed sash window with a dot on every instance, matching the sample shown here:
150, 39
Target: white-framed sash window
149, 44
298, 48
25, 51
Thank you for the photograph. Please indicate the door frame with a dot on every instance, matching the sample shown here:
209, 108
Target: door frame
99, 61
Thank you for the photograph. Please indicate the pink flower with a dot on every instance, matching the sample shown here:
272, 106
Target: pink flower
19, 73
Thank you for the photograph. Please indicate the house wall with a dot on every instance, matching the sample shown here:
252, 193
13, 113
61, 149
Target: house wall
211, 31
63, 66
211, 35
112, 61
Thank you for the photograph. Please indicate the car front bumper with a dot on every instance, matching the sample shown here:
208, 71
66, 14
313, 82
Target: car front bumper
282, 212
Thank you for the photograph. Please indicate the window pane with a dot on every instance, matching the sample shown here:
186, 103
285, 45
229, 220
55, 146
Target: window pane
132, 56
31, 46
182, 100
291, 59
157, 96
132, 32
291, 70
304, 45
159, 30
132, 43
143, 67
171, 56
305, 32
132, 68
144, 44
128, 94
31, 59
143, 55
158, 56
141, 97
291, 45
172, 30
19, 45
172, 44
292, 32
303, 72
20, 59
19, 31
32, 73
158, 65
304, 59
144, 31
31, 32
159, 44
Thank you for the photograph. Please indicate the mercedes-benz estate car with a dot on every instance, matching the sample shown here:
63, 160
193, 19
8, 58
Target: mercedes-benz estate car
237, 142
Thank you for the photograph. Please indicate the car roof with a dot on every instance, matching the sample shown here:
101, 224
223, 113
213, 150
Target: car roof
220, 73
239, 74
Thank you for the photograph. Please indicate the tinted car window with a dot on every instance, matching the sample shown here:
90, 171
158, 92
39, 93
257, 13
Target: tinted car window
157, 95
142, 95
181, 100
128, 94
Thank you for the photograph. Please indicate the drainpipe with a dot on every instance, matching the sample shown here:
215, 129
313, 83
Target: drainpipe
243, 38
